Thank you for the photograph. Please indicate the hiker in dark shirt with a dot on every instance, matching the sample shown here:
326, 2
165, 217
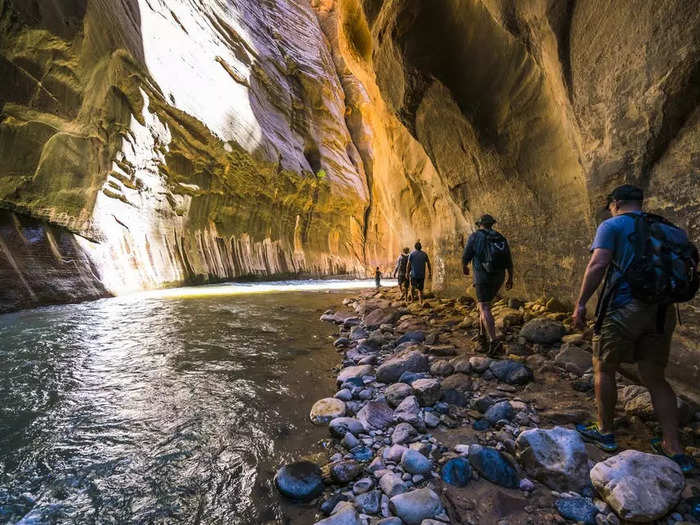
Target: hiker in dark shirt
378, 277
629, 330
400, 272
489, 253
415, 270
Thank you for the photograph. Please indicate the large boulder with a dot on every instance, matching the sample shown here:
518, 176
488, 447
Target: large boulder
639, 487
511, 372
300, 481
415, 506
325, 410
491, 464
396, 393
427, 391
381, 316
354, 372
409, 360
376, 415
341, 425
557, 457
543, 331
574, 358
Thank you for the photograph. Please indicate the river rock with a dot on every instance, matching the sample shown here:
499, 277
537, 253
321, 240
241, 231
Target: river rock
381, 316
354, 372
578, 509
300, 481
461, 365
491, 464
407, 361
427, 391
414, 462
340, 425
362, 485
479, 363
431, 419
457, 472
392, 484
345, 471
368, 503
511, 372
344, 394
543, 331
415, 506
574, 358
499, 411
349, 441
394, 453
411, 337
326, 410
557, 457
357, 333
410, 377
639, 487
403, 433
376, 415
396, 393
441, 368
345, 515
407, 410
390, 521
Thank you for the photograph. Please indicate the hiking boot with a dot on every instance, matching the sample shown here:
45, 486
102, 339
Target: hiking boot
495, 348
591, 433
685, 462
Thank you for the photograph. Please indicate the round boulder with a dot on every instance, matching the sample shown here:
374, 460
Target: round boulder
326, 410
300, 481
543, 331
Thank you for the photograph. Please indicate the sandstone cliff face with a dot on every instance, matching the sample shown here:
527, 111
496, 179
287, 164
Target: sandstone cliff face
186, 141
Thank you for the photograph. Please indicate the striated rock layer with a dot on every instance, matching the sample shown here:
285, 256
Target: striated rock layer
175, 141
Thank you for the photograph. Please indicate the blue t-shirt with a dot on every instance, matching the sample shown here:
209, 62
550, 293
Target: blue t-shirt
614, 235
418, 260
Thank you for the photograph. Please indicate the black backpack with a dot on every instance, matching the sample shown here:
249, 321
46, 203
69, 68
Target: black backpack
402, 264
494, 251
662, 271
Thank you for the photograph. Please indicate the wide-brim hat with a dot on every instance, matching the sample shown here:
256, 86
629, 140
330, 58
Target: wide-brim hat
485, 220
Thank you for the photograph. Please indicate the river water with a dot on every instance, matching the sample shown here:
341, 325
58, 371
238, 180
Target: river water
174, 406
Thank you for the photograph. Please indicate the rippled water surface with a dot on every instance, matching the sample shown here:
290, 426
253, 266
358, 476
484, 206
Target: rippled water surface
175, 406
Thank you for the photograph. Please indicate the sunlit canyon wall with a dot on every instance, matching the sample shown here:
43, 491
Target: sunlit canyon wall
150, 142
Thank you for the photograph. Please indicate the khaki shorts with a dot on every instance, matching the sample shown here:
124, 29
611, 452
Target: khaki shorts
629, 335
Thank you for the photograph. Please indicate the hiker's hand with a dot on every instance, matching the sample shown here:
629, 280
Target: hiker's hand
509, 283
580, 317
465, 269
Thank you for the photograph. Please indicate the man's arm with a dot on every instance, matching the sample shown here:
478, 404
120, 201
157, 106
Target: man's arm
468, 255
408, 267
595, 271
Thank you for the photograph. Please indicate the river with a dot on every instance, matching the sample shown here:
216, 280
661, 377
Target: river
175, 406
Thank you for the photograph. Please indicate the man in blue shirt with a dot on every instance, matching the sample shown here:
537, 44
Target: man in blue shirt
630, 329
415, 270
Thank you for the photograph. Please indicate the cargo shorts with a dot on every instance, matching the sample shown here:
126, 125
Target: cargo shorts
629, 334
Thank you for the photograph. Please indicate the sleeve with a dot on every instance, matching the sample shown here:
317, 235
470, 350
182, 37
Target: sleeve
468, 253
604, 237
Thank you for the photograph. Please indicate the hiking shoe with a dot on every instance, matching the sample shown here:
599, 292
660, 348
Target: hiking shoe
591, 433
685, 462
495, 348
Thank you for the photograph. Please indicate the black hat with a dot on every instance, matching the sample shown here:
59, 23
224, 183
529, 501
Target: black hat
485, 220
626, 192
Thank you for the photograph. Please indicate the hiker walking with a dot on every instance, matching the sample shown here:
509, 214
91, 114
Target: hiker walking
378, 277
648, 264
400, 272
415, 270
489, 253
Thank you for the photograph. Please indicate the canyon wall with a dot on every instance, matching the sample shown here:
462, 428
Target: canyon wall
145, 143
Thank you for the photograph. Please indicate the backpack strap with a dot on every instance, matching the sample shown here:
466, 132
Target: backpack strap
604, 299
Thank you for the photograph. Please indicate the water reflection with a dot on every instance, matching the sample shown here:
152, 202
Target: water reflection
160, 407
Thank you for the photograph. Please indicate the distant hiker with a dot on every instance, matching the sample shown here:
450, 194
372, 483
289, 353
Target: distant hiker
648, 264
378, 277
415, 270
489, 253
400, 271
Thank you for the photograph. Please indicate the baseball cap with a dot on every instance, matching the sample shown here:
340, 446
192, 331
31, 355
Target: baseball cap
626, 192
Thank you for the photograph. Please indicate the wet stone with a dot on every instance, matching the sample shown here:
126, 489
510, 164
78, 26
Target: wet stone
414, 462
499, 411
456, 472
326, 410
415, 506
345, 471
491, 464
481, 424
580, 510
300, 481
368, 503
339, 426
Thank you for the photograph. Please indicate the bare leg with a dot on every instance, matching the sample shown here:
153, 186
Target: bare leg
487, 321
665, 405
605, 395
420, 297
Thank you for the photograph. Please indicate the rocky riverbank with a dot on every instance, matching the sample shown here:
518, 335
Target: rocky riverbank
426, 430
